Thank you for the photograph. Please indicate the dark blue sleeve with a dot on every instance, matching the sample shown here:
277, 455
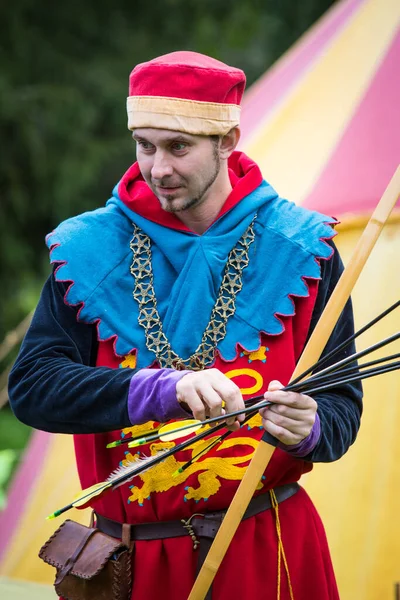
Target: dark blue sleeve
54, 385
339, 409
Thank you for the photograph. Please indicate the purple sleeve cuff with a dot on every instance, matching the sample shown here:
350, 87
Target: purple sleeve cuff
308, 444
152, 396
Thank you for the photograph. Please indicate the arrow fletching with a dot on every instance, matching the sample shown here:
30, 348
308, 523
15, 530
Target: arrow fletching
172, 431
83, 499
169, 432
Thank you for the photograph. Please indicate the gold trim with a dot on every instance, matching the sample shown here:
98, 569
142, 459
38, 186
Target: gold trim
179, 114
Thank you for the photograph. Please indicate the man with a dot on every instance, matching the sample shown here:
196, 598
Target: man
203, 286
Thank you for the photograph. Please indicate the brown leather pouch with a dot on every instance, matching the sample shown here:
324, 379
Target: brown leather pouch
90, 564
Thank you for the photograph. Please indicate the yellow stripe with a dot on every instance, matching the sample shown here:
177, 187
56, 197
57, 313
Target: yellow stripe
357, 496
359, 221
55, 486
332, 12
297, 140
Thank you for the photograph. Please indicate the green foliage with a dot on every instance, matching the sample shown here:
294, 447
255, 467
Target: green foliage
13, 435
63, 85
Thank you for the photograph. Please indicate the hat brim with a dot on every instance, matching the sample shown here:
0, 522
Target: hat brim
178, 114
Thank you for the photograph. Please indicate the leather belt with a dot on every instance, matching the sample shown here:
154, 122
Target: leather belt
200, 525
203, 525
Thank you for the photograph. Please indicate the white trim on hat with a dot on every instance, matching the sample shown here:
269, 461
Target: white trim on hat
180, 114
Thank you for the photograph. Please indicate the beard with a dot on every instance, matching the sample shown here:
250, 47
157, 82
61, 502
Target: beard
167, 202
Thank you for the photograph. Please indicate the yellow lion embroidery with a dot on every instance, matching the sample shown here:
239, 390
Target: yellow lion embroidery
159, 478
166, 475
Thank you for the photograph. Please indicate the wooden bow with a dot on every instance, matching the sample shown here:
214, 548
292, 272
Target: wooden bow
310, 355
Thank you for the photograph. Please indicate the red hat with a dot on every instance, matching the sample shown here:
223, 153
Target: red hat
185, 91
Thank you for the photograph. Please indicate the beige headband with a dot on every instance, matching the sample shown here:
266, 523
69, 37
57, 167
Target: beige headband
177, 114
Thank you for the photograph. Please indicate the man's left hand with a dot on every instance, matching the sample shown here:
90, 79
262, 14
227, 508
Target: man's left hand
291, 417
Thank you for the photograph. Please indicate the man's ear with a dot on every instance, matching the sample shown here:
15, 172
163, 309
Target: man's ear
228, 143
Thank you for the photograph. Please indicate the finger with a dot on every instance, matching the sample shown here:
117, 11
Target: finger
234, 402
299, 401
288, 411
283, 435
211, 399
190, 397
234, 427
275, 385
232, 396
300, 428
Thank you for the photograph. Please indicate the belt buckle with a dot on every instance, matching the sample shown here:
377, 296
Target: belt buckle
187, 524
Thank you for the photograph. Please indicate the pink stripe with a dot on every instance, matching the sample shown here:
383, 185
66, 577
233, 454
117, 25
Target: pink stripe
22, 485
369, 151
267, 91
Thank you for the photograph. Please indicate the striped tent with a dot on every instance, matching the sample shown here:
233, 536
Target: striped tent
324, 125
46, 479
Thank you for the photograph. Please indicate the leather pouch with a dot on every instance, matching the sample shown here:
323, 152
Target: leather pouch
90, 564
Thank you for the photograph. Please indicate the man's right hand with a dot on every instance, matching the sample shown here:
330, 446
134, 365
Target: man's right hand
204, 393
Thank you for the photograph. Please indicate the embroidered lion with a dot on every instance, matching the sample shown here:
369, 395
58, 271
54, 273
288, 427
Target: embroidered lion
165, 475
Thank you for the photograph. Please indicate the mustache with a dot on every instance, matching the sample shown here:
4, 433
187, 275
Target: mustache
167, 183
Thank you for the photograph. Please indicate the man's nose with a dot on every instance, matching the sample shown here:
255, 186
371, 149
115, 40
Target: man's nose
161, 166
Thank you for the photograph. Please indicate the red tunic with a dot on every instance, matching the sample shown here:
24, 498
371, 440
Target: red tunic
166, 568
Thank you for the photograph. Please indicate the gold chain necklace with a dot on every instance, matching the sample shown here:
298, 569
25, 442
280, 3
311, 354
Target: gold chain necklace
224, 307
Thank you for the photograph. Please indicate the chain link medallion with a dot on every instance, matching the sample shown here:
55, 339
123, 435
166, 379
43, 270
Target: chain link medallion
224, 307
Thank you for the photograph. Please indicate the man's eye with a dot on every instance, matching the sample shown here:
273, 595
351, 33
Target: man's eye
145, 145
179, 146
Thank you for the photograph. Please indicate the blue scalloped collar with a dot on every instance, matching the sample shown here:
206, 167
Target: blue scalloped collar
93, 252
